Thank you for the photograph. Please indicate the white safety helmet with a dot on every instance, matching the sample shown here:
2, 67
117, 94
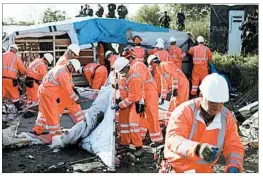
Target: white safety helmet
200, 39
159, 45
172, 39
152, 58
214, 87
120, 63
49, 57
74, 48
75, 63
108, 53
159, 40
14, 46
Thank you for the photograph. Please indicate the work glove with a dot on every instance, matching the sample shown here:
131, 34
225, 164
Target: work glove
161, 102
233, 170
115, 86
175, 92
169, 96
56, 142
116, 107
207, 152
118, 100
78, 101
100, 117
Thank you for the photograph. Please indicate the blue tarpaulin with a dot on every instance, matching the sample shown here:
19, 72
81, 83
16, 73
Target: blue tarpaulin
110, 30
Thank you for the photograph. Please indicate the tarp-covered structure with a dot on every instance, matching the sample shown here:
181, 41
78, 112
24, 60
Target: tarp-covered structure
85, 31
219, 24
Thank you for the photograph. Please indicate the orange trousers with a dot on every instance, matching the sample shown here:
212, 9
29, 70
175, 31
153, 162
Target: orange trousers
75, 111
198, 74
31, 93
182, 96
9, 91
48, 115
152, 117
129, 122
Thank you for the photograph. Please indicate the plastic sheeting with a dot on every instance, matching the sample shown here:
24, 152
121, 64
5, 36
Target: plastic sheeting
110, 30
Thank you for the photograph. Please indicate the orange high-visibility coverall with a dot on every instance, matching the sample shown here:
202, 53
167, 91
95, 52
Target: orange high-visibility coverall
163, 55
176, 54
186, 129
11, 64
74, 109
131, 90
201, 56
59, 78
100, 54
139, 53
174, 77
96, 74
151, 102
36, 70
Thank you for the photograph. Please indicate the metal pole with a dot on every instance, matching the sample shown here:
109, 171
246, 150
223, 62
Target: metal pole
54, 49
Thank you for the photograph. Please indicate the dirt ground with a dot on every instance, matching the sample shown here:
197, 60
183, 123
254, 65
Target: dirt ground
37, 158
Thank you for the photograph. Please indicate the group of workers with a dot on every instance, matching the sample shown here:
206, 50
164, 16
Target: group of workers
198, 130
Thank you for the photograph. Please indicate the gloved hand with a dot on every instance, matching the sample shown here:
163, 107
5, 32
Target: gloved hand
116, 107
56, 142
233, 170
207, 152
78, 101
100, 116
115, 86
118, 100
161, 102
175, 92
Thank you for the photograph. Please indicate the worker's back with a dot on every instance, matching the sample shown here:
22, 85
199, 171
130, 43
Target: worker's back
11, 64
37, 69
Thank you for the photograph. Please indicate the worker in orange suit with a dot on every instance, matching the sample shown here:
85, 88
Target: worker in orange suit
75, 111
175, 53
34, 74
138, 50
12, 64
155, 49
200, 129
132, 105
151, 101
58, 79
111, 57
201, 56
96, 74
162, 53
174, 78
100, 54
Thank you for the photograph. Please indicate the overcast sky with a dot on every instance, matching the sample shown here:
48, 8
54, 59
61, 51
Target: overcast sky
34, 12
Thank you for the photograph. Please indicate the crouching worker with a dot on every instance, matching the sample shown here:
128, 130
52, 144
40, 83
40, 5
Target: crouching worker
200, 129
96, 74
78, 131
58, 79
132, 94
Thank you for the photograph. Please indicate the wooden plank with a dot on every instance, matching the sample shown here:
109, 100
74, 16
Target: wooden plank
32, 40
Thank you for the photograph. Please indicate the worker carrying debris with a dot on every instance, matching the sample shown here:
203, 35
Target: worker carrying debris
176, 53
201, 56
132, 106
12, 64
174, 82
58, 79
64, 102
151, 100
200, 129
34, 74
96, 74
